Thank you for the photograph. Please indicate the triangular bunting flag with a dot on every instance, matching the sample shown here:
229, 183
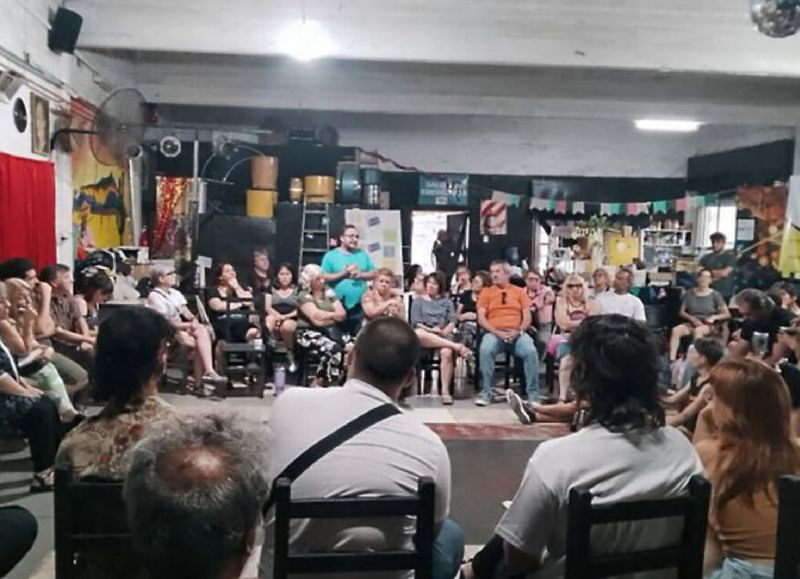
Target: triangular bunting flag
680, 204
577, 207
605, 209
631, 209
561, 207
660, 207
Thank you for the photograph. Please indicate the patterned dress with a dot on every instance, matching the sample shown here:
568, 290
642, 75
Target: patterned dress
330, 343
12, 408
100, 446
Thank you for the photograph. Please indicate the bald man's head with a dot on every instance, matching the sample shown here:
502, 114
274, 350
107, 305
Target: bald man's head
194, 495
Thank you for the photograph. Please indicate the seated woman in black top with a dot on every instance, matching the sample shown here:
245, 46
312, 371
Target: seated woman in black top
231, 307
25, 408
467, 309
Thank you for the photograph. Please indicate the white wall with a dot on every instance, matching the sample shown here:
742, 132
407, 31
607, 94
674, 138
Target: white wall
23, 37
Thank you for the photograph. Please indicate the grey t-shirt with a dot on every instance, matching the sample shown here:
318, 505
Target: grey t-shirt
432, 313
703, 306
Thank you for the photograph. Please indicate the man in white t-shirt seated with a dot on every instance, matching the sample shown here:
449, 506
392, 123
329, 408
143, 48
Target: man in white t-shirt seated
388, 458
624, 453
619, 300
171, 304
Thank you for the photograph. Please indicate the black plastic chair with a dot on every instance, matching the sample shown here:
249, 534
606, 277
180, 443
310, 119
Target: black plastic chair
787, 547
420, 560
686, 556
91, 526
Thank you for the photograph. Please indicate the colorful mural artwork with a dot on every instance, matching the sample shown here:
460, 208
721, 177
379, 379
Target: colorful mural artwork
101, 196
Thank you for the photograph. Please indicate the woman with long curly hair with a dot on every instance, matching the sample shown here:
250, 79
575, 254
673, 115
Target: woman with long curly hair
753, 448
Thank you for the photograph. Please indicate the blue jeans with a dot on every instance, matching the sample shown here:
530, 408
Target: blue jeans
523, 347
448, 550
733, 568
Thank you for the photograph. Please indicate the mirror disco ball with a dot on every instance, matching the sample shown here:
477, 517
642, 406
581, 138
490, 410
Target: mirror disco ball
776, 18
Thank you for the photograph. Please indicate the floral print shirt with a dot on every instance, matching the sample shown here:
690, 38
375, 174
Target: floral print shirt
100, 446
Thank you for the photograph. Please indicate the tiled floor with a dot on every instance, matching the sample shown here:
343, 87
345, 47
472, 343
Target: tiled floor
488, 450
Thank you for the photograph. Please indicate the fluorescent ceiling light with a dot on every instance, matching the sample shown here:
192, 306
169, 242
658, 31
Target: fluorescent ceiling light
305, 40
667, 125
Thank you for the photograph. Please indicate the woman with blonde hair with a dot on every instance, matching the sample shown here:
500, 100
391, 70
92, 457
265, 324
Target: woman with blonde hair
753, 448
572, 307
319, 325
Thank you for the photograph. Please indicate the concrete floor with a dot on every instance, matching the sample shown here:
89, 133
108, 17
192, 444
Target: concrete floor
488, 450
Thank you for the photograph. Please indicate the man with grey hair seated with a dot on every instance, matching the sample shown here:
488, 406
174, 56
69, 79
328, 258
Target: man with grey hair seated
194, 494
171, 304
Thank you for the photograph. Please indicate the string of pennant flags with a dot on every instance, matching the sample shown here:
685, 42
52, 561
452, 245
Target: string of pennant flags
628, 209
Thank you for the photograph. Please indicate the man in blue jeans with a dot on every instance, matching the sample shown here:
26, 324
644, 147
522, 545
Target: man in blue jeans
504, 313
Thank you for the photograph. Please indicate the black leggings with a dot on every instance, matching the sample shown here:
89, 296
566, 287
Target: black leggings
41, 425
18, 530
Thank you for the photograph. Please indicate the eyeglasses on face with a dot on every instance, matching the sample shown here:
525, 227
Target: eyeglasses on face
574, 285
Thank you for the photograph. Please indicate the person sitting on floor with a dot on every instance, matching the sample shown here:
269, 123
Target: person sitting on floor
381, 300
32, 358
320, 325
194, 495
754, 447
97, 289
702, 307
703, 355
71, 337
504, 313
24, 408
170, 303
762, 316
231, 307
132, 350
624, 453
433, 318
282, 310
467, 309
388, 458
74, 376
620, 300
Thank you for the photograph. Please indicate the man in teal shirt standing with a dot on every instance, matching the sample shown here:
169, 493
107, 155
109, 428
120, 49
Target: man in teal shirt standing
347, 269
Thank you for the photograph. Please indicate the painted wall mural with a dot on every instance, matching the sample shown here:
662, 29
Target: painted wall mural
101, 195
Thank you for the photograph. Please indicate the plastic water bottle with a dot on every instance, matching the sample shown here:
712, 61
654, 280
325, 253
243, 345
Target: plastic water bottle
279, 379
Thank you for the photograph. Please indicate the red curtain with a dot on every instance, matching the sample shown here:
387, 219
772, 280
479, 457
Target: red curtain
27, 210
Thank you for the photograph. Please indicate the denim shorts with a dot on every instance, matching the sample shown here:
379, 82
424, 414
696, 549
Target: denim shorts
733, 568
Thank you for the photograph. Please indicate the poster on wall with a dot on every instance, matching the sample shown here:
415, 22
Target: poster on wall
381, 237
790, 250
40, 125
100, 194
447, 189
494, 217
759, 259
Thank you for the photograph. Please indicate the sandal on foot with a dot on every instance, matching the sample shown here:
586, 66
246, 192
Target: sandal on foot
447, 400
42, 482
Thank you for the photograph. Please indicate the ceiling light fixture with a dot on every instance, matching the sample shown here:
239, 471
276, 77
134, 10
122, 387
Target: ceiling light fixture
305, 40
667, 125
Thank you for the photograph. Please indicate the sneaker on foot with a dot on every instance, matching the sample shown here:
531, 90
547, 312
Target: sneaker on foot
214, 378
516, 404
483, 399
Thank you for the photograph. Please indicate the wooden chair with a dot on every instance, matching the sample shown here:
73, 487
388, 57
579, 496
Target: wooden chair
686, 556
420, 559
91, 526
787, 547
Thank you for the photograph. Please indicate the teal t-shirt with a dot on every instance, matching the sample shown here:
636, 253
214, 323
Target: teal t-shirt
348, 290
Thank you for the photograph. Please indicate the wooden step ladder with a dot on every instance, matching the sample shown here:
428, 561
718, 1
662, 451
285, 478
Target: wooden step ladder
314, 233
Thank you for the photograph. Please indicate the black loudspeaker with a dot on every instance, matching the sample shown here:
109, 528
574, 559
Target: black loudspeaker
64, 31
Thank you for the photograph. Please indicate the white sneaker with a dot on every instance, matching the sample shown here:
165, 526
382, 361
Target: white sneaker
516, 404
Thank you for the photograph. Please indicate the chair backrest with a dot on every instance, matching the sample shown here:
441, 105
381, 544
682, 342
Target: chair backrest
420, 559
787, 546
686, 556
89, 517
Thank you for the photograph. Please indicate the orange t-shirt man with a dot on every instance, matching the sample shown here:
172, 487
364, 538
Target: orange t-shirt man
504, 307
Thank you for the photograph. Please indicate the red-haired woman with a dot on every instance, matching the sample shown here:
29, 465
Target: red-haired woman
753, 448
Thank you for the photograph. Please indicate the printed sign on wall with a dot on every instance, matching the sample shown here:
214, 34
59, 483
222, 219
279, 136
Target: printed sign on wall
447, 189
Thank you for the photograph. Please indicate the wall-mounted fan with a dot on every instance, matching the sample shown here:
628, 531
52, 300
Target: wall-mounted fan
118, 128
